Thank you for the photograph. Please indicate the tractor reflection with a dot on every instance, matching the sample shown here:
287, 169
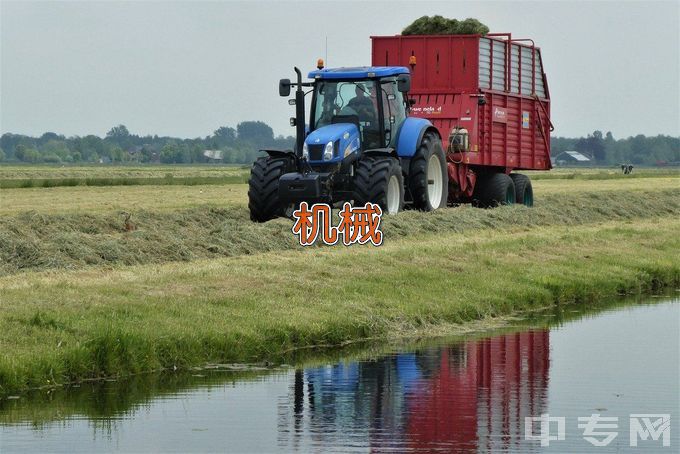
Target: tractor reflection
469, 395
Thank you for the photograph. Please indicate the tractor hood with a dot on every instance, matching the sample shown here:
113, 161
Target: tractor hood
344, 140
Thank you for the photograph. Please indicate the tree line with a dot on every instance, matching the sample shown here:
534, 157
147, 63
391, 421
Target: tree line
238, 145
604, 149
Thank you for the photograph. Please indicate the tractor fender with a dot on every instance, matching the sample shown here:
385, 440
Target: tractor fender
380, 152
280, 153
411, 134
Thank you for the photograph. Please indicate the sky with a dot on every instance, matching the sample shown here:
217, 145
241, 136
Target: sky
185, 68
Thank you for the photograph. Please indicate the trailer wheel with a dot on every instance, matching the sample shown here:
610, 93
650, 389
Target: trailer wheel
494, 189
524, 193
379, 180
263, 188
428, 179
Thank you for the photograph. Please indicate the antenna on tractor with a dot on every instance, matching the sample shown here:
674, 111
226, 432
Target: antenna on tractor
326, 53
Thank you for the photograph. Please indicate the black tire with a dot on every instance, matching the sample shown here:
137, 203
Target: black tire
263, 188
493, 190
372, 179
524, 193
419, 180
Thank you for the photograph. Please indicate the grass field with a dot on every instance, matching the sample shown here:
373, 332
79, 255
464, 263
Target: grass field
602, 173
162, 198
57, 176
48, 176
37, 172
196, 281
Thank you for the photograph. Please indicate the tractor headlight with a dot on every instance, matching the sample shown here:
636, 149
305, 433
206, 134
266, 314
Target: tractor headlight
305, 151
348, 150
328, 152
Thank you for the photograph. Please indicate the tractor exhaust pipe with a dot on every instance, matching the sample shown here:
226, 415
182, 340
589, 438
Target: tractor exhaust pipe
299, 114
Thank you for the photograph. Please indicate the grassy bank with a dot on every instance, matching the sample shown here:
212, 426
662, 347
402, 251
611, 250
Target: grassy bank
66, 326
37, 241
128, 394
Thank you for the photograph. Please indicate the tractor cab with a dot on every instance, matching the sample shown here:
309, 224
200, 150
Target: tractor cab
368, 103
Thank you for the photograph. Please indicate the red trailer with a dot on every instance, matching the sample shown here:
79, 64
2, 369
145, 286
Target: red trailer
488, 97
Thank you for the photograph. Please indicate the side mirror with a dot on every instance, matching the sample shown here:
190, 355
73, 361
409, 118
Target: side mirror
481, 101
404, 83
284, 87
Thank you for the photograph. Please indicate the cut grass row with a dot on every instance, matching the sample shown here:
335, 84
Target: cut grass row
113, 200
166, 198
121, 181
38, 241
58, 327
26, 172
22, 177
40, 171
48, 177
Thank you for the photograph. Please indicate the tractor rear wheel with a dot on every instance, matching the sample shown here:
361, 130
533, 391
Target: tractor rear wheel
493, 190
379, 180
263, 188
428, 179
524, 193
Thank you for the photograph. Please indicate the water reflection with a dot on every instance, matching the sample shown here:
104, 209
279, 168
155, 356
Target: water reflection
468, 395
453, 395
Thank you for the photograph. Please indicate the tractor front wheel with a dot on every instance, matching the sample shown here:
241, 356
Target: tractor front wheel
263, 188
379, 180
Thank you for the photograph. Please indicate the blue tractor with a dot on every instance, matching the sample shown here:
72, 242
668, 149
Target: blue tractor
360, 146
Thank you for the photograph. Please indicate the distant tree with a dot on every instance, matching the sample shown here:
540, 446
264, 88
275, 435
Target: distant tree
255, 132
117, 154
118, 132
8, 142
50, 136
91, 148
57, 148
596, 146
20, 152
582, 146
197, 153
169, 153
51, 158
2, 155
30, 155
225, 135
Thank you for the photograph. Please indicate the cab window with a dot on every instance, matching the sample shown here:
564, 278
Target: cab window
393, 110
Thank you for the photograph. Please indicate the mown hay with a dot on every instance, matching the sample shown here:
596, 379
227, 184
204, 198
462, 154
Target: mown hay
438, 25
35, 241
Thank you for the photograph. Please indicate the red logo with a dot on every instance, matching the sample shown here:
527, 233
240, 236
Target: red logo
500, 115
